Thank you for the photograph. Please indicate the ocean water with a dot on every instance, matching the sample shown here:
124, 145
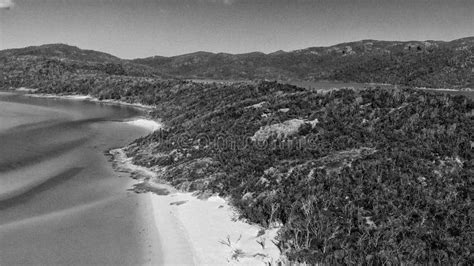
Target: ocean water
325, 85
468, 94
60, 200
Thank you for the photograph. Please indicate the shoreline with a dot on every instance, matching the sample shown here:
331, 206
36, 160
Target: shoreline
139, 121
217, 238
71, 206
88, 98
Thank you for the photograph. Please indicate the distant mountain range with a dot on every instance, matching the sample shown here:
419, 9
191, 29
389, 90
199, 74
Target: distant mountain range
413, 63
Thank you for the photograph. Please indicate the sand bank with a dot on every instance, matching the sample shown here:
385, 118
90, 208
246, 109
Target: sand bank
147, 124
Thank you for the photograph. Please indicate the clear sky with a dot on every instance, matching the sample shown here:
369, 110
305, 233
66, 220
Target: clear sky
141, 28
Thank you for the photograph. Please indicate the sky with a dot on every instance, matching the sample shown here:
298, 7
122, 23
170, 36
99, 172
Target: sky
142, 28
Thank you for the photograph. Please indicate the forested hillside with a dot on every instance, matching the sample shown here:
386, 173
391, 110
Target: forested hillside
423, 64
63, 65
371, 176
415, 63
368, 176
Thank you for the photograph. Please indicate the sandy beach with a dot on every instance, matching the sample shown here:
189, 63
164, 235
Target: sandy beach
205, 231
76, 207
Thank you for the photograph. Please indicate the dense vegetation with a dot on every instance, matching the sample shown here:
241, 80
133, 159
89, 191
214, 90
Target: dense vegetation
352, 176
423, 64
62, 65
385, 176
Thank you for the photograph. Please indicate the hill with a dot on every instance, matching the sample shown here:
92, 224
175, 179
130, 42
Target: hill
60, 51
370, 176
32, 66
60, 65
373, 176
414, 63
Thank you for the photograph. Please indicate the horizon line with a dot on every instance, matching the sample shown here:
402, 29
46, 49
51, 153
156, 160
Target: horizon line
250, 52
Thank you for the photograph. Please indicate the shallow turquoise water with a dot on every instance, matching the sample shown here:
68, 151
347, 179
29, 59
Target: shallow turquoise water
60, 200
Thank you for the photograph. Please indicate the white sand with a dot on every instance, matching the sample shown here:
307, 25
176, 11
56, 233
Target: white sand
148, 124
202, 232
67, 97
139, 105
212, 231
91, 99
23, 89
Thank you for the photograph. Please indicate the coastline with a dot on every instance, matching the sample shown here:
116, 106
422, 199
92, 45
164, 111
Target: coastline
188, 236
68, 206
216, 238
88, 98
142, 122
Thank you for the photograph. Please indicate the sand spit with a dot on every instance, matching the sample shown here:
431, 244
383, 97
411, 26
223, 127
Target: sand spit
147, 124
